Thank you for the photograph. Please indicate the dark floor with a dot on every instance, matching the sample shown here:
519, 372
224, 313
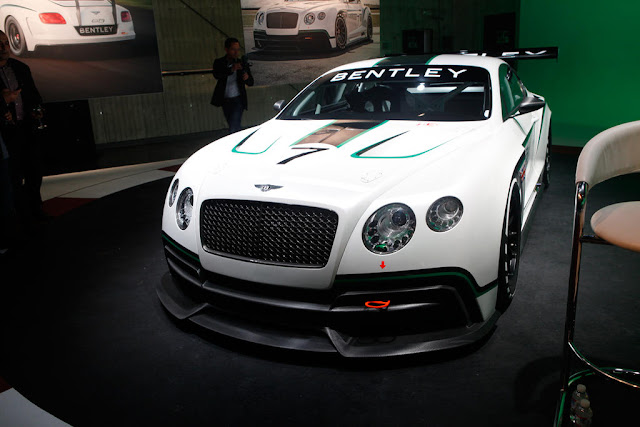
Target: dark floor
85, 337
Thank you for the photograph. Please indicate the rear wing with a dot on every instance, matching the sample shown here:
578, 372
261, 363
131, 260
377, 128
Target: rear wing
525, 53
113, 11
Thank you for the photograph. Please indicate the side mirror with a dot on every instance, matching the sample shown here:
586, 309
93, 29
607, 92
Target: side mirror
531, 103
279, 104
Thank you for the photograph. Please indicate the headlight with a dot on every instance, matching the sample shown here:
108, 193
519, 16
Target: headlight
260, 18
322, 15
184, 208
389, 229
444, 214
174, 192
309, 18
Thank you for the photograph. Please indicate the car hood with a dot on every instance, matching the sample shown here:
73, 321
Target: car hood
298, 6
330, 162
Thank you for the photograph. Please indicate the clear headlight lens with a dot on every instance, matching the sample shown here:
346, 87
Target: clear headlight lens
173, 193
260, 18
322, 15
309, 18
184, 208
444, 214
389, 229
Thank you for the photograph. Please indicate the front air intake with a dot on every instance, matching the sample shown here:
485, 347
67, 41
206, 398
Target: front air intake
269, 233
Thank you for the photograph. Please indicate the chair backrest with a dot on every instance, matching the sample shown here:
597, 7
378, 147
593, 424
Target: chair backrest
610, 153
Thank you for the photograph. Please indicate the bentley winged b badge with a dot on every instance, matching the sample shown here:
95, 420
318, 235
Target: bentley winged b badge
267, 187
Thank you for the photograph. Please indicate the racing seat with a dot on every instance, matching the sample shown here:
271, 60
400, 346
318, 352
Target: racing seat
611, 153
378, 99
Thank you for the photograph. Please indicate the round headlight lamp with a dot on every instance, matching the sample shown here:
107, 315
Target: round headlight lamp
309, 18
173, 193
322, 15
444, 214
184, 208
260, 18
389, 229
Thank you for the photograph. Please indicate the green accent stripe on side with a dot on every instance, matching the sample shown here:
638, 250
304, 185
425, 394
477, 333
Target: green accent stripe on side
544, 110
431, 59
526, 140
476, 292
180, 248
362, 133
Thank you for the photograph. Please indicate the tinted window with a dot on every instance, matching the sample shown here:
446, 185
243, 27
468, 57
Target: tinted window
434, 93
511, 90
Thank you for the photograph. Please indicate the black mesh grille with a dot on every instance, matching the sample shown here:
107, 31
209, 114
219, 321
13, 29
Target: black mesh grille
272, 233
282, 20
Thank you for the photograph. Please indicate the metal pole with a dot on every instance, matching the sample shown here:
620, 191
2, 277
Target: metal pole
572, 298
78, 14
115, 15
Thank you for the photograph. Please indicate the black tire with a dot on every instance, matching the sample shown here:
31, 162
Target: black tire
341, 33
509, 261
370, 29
546, 174
17, 40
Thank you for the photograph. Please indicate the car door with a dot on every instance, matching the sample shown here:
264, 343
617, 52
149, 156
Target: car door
512, 93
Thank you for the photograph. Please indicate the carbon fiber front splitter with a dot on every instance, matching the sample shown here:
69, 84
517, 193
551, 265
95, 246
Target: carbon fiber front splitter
426, 315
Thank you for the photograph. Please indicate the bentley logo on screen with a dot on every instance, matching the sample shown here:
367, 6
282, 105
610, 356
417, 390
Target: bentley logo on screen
267, 187
95, 30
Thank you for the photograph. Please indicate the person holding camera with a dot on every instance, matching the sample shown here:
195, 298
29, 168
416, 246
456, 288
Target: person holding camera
233, 75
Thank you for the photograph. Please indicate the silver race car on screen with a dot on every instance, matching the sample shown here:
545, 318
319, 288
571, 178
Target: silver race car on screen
381, 212
298, 25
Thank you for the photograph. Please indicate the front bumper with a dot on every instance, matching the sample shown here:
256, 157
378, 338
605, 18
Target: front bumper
428, 311
304, 40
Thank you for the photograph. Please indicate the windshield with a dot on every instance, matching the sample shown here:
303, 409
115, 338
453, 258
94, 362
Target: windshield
436, 93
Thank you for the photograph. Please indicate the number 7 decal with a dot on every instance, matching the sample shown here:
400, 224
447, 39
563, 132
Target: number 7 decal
311, 151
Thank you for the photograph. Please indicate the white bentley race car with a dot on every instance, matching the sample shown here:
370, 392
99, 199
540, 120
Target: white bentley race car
32, 23
381, 212
297, 25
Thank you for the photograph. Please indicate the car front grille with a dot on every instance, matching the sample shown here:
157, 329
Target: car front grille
282, 20
270, 233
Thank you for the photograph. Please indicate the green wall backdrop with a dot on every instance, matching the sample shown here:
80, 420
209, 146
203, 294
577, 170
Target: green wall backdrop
594, 84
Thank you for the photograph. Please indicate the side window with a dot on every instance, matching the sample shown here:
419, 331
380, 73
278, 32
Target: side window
505, 92
511, 90
516, 88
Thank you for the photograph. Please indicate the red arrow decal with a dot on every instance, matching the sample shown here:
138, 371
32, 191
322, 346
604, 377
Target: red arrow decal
382, 265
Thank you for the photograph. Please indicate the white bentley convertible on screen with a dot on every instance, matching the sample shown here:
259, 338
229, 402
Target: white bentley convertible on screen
297, 25
33, 23
381, 212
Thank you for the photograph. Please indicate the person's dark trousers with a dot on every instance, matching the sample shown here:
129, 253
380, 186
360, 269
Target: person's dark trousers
7, 209
232, 108
33, 167
26, 169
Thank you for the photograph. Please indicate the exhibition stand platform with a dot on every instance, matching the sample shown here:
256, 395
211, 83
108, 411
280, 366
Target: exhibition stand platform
85, 338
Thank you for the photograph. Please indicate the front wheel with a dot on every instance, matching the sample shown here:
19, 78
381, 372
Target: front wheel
509, 261
370, 29
17, 40
341, 33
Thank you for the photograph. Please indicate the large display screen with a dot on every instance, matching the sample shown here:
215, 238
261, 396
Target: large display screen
79, 49
294, 41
